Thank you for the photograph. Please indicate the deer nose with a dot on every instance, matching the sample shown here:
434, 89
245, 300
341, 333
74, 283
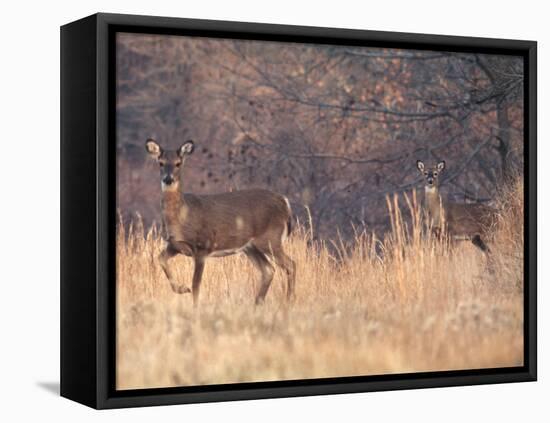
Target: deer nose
168, 180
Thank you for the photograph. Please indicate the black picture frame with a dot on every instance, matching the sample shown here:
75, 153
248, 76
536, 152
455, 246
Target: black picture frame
88, 211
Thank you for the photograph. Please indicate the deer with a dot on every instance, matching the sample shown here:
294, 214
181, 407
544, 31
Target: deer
254, 222
461, 221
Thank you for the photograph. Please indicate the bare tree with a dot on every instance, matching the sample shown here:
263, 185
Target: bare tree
334, 128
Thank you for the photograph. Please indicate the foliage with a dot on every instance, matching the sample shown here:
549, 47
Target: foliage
334, 128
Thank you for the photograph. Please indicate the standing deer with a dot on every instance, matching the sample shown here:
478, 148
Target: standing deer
460, 220
254, 222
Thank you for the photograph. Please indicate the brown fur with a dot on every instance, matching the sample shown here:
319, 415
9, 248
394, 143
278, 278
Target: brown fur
225, 221
459, 220
200, 226
469, 219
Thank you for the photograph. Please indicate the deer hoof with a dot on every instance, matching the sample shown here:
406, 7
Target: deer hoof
182, 289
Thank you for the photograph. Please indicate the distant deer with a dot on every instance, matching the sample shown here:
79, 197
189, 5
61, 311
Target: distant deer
254, 222
459, 220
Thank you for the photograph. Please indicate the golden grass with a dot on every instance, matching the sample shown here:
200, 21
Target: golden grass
407, 303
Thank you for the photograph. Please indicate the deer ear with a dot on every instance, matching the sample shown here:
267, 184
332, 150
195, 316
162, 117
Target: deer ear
153, 148
186, 148
420, 165
441, 165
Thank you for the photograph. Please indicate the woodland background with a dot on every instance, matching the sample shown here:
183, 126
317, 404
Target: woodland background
333, 128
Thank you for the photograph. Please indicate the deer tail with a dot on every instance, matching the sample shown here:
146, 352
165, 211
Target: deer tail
289, 226
289, 220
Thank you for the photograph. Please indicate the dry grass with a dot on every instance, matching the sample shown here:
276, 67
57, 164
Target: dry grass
407, 303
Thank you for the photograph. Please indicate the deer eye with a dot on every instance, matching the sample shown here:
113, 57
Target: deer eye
435, 173
161, 164
178, 164
426, 173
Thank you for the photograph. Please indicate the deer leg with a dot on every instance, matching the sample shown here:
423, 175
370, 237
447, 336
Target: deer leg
197, 277
163, 258
289, 266
262, 263
478, 242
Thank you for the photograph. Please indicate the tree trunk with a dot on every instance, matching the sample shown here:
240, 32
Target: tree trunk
504, 148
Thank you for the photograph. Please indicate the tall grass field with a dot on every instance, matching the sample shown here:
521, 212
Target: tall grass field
405, 302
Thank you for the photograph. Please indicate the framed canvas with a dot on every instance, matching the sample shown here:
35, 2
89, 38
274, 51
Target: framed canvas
258, 211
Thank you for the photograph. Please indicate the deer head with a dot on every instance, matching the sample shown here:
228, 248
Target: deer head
431, 175
170, 162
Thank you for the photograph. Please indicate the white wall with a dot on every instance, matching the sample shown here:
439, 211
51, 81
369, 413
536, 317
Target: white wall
29, 175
